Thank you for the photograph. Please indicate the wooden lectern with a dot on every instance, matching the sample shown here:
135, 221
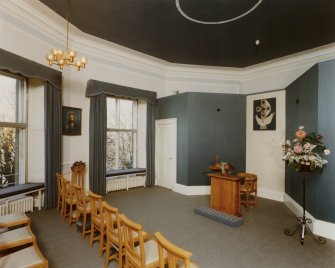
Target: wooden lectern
225, 193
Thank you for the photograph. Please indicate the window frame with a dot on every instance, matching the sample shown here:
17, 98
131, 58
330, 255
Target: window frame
21, 105
133, 130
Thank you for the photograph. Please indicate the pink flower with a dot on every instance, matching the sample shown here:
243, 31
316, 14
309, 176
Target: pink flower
297, 149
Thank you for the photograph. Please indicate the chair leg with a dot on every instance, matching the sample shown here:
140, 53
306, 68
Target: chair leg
120, 256
107, 253
58, 202
84, 226
92, 233
247, 201
101, 248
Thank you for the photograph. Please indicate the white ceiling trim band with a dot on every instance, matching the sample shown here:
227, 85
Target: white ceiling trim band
216, 22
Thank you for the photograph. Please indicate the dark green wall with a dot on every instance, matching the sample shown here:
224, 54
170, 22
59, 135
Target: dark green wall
176, 107
310, 102
205, 131
324, 193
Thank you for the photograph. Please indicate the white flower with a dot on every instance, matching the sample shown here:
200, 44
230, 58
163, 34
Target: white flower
307, 145
301, 127
288, 142
327, 152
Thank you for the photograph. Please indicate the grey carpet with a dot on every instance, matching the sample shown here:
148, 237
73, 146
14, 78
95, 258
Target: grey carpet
218, 216
258, 242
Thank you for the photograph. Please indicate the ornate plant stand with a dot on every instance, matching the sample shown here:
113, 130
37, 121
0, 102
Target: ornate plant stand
303, 223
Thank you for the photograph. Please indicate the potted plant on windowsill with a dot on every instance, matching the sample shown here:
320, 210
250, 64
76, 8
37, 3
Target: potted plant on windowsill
305, 153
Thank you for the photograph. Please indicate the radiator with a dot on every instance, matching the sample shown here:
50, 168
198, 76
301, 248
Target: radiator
124, 182
23, 204
4, 208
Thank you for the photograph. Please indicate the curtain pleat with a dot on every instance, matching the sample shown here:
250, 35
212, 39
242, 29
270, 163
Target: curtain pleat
97, 144
150, 144
53, 142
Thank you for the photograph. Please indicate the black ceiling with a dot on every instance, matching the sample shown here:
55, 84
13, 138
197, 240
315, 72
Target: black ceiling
156, 28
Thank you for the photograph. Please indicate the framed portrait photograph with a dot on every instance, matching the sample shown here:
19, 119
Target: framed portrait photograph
71, 121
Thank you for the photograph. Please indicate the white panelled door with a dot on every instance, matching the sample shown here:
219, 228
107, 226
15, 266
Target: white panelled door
166, 152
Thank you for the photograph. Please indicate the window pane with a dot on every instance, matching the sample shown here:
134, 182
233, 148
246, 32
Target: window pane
8, 89
125, 150
111, 113
126, 114
9, 156
111, 150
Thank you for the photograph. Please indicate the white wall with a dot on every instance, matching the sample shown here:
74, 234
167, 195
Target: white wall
263, 149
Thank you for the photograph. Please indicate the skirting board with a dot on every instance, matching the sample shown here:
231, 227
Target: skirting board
321, 228
318, 227
270, 194
192, 190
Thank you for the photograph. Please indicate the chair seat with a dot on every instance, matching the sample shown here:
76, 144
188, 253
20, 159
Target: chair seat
151, 252
81, 207
23, 258
13, 219
16, 237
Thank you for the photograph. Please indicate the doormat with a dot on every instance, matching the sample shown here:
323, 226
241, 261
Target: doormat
219, 216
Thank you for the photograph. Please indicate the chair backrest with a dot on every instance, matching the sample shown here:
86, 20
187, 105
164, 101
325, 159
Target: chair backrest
80, 196
96, 208
59, 183
132, 230
176, 256
113, 223
78, 172
250, 181
66, 188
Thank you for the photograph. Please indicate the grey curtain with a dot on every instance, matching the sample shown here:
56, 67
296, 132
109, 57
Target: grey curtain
95, 88
97, 144
53, 142
97, 91
52, 87
150, 144
19, 65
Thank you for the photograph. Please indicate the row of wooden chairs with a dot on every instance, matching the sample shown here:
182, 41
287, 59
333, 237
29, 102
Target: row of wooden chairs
131, 241
112, 229
18, 247
248, 189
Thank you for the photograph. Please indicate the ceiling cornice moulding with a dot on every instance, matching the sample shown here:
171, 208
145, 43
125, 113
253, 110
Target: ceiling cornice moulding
42, 21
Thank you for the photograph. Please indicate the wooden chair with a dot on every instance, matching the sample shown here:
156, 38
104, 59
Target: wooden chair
83, 207
69, 199
27, 257
144, 255
97, 220
176, 256
59, 193
78, 173
113, 234
16, 219
17, 237
248, 189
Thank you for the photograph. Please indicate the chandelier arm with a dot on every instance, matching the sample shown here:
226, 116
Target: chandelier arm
216, 22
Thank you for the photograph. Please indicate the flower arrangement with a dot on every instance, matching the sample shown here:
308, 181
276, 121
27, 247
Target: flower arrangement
305, 152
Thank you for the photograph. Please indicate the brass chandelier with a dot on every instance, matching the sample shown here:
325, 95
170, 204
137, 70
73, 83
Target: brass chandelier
66, 58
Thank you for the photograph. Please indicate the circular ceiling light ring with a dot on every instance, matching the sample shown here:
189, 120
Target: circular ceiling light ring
217, 22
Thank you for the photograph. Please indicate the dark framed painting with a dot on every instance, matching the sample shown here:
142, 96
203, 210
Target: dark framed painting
71, 121
265, 114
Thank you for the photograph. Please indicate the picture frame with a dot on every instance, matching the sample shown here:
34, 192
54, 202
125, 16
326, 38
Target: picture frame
71, 121
264, 114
